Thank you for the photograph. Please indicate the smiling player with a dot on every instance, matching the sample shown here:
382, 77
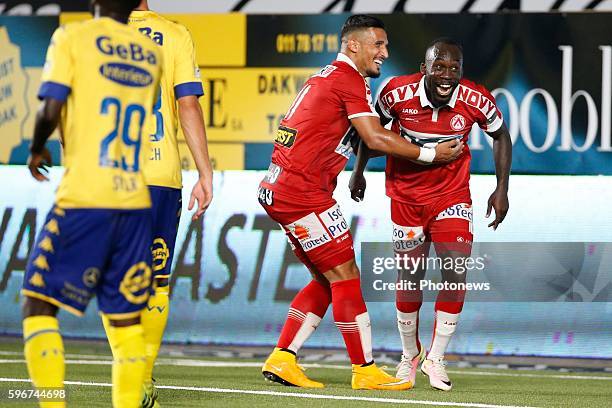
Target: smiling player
433, 203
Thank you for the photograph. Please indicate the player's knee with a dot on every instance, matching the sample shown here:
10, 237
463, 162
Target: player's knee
37, 307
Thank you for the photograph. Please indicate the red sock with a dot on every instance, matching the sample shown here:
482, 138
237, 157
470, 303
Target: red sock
351, 317
408, 301
305, 314
450, 301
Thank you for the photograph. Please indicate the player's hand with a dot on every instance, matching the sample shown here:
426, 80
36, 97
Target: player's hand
203, 194
499, 202
357, 185
40, 161
448, 151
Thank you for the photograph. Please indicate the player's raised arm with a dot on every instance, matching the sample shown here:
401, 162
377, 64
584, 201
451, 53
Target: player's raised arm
378, 138
502, 154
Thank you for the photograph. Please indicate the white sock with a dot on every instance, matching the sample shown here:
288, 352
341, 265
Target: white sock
446, 323
407, 324
365, 335
309, 325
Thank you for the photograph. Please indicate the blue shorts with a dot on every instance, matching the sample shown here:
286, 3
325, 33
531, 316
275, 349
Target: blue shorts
81, 253
166, 204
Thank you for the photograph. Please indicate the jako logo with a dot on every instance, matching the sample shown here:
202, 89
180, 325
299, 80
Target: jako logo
126, 74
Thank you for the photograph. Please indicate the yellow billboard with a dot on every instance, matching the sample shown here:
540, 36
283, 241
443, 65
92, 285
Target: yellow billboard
246, 104
220, 39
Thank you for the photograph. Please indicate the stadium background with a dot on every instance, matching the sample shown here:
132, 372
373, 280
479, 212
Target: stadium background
234, 274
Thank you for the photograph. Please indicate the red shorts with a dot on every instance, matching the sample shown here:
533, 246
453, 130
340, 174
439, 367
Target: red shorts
319, 235
447, 223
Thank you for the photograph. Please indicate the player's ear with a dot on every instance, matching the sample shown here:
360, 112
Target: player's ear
423, 68
353, 44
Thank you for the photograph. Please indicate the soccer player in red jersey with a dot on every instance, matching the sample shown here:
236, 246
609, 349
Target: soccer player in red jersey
433, 203
312, 145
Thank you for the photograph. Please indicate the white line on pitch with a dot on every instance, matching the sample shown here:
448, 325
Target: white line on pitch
298, 395
237, 364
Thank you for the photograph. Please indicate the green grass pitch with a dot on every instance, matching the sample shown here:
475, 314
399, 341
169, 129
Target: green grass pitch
195, 382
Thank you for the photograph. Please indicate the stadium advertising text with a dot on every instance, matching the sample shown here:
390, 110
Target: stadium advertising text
235, 268
598, 119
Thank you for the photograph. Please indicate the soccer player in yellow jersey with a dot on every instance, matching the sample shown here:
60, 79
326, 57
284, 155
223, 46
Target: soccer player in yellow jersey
181, 86
100, 80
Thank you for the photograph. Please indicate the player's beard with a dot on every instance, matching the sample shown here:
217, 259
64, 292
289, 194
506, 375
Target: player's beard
373, 73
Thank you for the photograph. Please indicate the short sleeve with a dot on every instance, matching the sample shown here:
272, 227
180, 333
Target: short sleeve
355, 93
492, 118
58, 71
382, 103
187, 78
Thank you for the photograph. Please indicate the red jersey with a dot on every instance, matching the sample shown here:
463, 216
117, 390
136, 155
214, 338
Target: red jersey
404, 100
313, 141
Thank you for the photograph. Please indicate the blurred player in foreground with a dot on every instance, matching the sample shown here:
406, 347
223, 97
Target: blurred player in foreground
181, 86
433, 203
104, 76
312, 145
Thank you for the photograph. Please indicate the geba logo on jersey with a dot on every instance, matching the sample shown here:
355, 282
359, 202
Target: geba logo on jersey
122, 72
132, 52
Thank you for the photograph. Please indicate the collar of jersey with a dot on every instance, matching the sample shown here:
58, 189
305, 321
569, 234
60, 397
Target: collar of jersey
344, 58
142, 13
423, 95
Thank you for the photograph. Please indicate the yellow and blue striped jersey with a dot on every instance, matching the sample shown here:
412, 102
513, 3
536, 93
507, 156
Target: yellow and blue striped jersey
181, 77
108, 75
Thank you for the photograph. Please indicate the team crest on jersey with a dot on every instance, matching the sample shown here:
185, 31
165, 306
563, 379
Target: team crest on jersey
285, 136
458, 122
91, 277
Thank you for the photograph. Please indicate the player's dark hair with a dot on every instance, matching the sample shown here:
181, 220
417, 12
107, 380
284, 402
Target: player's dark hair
446, 41
120, 6
360, 22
